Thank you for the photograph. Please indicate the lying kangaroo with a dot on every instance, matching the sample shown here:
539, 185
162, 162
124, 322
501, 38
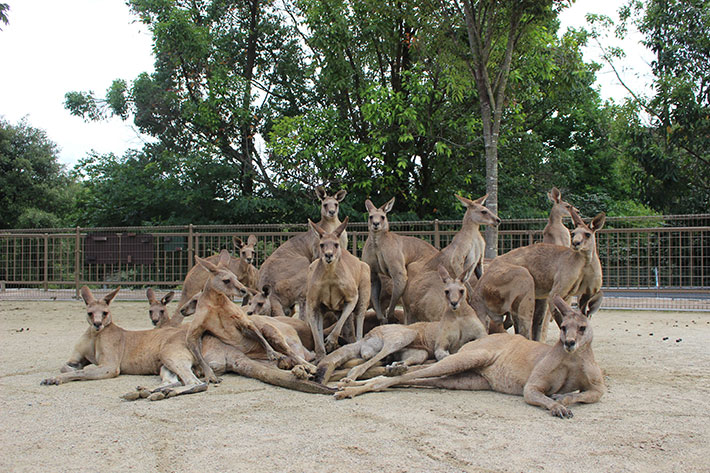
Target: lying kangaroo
417, 342
106, 350
283, 274
217, 314
337, 282
555, 232
390, 254
546, 376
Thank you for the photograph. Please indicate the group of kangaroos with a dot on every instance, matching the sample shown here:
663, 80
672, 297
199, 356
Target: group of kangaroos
316, 318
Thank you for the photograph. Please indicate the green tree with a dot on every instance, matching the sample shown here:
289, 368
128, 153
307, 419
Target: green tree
34, 188
4, 8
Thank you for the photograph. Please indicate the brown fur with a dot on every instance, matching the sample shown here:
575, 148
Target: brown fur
555, 232
158, 310
390, 254
284, 273
546, 376
416, 342
423, 298
246, 272
337, 282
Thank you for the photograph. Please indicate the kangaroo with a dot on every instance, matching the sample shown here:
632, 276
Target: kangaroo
218, 315
106, 350
285, 271
546, 376
246, 272
337, 282
558, 270
555, 232
422, 299
158, 310
390, 254
417, 342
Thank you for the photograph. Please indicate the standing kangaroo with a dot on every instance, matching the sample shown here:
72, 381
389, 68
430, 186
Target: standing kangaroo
417, 342
555, 232
552, 377
558, 270
282, 277
423, 299
390, 254
337, 282
245, 271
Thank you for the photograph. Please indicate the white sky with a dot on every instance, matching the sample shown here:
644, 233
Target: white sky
52, 47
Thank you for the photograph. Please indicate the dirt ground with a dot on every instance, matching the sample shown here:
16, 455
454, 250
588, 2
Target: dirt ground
655, 417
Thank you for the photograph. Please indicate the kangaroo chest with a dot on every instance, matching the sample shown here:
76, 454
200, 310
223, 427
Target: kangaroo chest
332, 296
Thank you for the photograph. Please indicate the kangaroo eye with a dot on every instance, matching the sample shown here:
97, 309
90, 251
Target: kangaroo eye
460, 291
446, 291
89, 314
582, 329
337, 245
484, 212
226, 281
587, 234
564, 329
104, 313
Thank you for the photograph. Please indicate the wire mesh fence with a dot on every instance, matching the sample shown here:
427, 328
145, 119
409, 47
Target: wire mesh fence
661, 258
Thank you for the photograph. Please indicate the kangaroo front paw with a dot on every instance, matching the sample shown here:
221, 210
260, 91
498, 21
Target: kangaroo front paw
50, 381
214, 379
331, 344
558, 410
304, 371
396, 369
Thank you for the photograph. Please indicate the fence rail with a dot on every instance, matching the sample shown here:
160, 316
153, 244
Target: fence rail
659, 254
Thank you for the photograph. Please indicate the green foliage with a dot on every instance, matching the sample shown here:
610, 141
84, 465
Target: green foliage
34, 188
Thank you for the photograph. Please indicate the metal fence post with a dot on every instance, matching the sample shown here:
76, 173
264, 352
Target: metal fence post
76, 261
46, 262
437, 235
190, 248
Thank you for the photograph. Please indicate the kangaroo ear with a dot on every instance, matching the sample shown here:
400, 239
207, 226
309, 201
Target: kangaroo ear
466, 202
212, 268
224, 258
554, 195
237, 242
597, 222
167, 298
86, 295
575, 217
341, 228
444, 274
340, 195
481, 200
251, 240
316, 228
387, 208
150, 294
594, 304
369, 205
320, 193
266, 290
252, 291
109, 297
563, 307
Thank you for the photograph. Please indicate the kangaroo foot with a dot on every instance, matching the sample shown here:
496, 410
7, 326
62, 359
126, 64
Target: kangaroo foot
304, 371
561, 411
157, 396
131, 396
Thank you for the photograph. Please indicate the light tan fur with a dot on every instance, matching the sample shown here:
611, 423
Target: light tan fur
284, 273
217, 314
423, 299
414, 343
158, 310
546, 376
555, 232
338, 282
505, 289
558, 270
246, 272
390, 254
106, 350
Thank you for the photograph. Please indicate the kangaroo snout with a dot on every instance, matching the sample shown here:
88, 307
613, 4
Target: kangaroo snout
570, 345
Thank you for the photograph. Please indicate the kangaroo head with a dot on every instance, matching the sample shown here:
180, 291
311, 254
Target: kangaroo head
158, 311
583, 236
455, 289
477, 213
377, 217
559, 206
221, 278
98, 313
329, 243
247, 252
190, 307
329, 204
260, 303
575, 331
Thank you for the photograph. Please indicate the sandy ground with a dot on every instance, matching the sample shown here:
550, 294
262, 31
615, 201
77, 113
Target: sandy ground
655, 417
